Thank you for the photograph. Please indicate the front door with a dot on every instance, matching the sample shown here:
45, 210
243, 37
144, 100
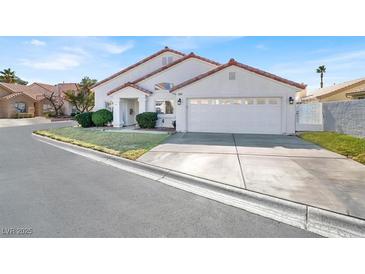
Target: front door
130, 111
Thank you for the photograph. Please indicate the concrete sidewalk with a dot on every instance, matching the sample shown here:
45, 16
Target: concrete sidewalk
281, 166
23, 122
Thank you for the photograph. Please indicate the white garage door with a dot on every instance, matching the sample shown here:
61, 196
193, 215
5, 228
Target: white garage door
235, 115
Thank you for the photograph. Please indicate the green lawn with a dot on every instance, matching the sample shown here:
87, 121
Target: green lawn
347, 145
127, 145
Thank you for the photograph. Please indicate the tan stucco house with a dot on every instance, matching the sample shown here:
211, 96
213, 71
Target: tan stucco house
350, 90
30, 100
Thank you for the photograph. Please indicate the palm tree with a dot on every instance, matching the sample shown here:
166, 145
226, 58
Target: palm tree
7, 76
83, 99
86, 84
321, 70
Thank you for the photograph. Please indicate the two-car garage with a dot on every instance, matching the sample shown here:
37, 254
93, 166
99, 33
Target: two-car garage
236, 98
262, 115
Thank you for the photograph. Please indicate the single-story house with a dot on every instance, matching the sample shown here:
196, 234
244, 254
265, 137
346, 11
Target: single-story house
350, 90
200, 95
16, 98
61, 88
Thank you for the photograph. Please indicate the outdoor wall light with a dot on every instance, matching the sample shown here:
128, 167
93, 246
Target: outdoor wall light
179, 101
291, 100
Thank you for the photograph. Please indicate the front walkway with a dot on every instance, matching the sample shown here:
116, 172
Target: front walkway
282, 166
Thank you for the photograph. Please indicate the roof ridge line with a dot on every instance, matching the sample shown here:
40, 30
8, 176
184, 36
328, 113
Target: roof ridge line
156, 71
233, 62
165, 49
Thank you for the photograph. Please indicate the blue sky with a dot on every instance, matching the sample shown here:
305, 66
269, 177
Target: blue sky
57, 59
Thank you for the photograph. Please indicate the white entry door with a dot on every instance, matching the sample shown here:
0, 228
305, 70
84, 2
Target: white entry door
235, 115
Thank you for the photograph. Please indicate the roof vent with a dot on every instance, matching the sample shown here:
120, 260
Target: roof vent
231, 61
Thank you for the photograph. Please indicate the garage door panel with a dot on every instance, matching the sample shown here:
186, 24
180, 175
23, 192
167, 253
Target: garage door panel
241, 115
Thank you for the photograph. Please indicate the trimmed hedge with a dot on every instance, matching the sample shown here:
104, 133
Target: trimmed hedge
84, 119
102, 117
147, 119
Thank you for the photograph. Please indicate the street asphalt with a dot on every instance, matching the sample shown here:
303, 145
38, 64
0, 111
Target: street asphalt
49, 192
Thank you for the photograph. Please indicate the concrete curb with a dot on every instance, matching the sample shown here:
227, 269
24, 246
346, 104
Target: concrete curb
320, 221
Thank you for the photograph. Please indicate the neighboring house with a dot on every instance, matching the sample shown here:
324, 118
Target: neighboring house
61, 88
201, 95
16, 98
350, 90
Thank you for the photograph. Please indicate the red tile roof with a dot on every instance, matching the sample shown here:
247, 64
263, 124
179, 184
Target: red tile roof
9, 96
18, 89
233, 62
166, 49
191, 55
14, 87
36, 91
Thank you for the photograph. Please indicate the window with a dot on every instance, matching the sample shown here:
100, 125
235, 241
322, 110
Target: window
20, 107
232, 75
220, 101
164, 86
273, 101
261, 101
167, 60
201, 101
164, 107
248, 101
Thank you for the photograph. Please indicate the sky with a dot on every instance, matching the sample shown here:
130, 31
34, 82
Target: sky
67, 59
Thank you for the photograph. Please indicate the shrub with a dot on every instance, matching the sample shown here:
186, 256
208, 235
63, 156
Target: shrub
102, 117
147, 119
84, 119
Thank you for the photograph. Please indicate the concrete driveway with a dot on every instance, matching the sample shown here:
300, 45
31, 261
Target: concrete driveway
282, 166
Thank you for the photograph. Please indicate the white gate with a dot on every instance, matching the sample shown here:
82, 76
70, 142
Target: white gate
309, 117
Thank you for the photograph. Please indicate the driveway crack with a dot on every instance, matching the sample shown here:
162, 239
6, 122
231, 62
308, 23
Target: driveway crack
239, 162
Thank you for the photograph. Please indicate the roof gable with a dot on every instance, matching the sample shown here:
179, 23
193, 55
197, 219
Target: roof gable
232, 62
166, 49
157, 71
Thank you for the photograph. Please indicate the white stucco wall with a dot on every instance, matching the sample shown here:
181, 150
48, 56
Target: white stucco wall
118, 105
131, 75
247, 84
177, 74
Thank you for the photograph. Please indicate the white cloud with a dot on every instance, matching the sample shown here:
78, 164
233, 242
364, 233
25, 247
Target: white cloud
117, 49
61, 61
76, 50
194, 42
262, 47
37, 43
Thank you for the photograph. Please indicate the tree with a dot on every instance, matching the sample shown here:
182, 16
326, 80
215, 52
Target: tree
56, 100
321, 70
83, 99
8, 76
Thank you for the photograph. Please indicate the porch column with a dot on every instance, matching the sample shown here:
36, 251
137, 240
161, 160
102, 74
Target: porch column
116, 113
142, 104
